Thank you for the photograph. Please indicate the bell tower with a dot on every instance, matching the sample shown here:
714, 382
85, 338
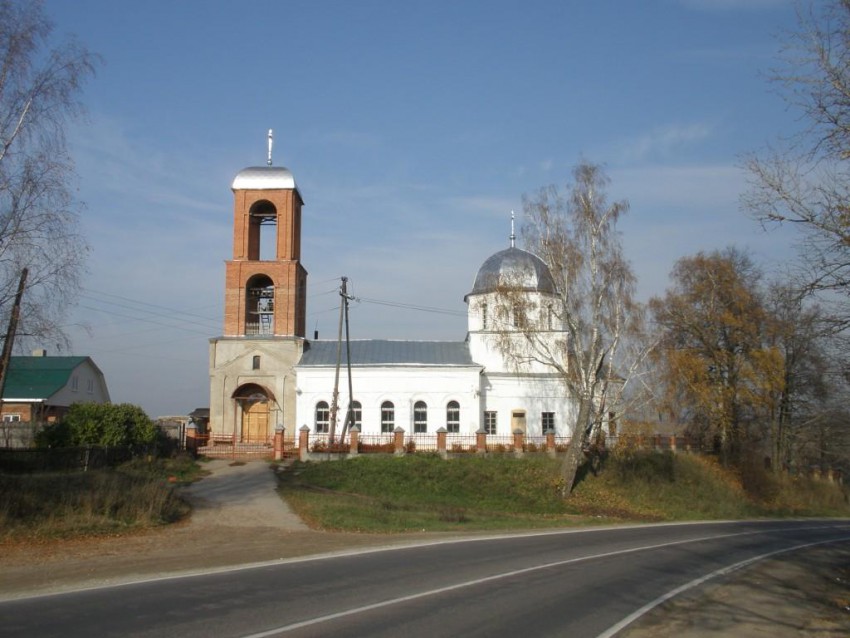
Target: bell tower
252, 377
265, 293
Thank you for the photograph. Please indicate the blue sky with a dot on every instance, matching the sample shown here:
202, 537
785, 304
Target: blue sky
412, 129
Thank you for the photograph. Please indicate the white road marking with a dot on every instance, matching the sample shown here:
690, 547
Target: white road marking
612, 631
470, 583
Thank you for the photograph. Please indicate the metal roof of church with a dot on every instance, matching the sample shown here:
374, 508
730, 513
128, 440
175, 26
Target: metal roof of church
264, 178
376, 352
513, 267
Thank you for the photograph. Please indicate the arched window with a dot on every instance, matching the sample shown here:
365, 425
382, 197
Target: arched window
420, 417
323, 417
255, 364
484, 316
387, 417
355, 416
453, 417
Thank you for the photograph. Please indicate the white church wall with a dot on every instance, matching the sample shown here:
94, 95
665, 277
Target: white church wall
533, 395
402, 385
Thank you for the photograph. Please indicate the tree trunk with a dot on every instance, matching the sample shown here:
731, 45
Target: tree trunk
575, 453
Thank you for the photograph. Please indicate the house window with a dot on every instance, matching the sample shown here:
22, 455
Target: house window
75, 383
420, 417
387, 417
255, 364
490, 422
355, 415
90, 386
323, 417
453, 417
547, 419
11, 418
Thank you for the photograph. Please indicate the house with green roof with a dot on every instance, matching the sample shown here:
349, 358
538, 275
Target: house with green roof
40, 389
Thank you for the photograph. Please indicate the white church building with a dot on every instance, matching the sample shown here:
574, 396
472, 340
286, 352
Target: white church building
266, 374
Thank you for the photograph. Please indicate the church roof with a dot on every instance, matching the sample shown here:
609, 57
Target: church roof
264, 178
513, 267
377, 352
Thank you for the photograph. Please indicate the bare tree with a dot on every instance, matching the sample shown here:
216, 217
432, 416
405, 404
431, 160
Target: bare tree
39, 88
805, 179
575, 235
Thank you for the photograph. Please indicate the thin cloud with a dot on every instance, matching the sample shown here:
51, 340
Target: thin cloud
662, 141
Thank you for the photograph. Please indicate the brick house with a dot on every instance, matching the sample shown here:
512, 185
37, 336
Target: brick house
40, 389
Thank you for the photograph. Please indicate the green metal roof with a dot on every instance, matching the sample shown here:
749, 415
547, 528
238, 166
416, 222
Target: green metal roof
38, 377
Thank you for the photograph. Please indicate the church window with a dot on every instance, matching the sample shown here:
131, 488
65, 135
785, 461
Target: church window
355, 416
549, 317
453, 417
255, 364
323, 417
490, 422
484, 316
387, 417
420, 417
547, 420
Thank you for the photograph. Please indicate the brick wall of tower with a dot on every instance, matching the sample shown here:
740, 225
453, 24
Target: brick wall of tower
283, 268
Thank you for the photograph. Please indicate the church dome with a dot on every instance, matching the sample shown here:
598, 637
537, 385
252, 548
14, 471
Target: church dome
264, 178
514, 267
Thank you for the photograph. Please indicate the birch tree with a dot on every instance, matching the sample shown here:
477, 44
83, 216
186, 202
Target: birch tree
803, 180
574, 233
39, 88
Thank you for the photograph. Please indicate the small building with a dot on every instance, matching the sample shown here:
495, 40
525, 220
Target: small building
40, 389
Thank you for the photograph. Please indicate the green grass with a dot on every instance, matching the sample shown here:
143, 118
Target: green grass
426, 493
134, 496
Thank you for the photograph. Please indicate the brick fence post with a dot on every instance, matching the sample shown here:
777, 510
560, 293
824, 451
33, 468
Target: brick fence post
481, 441
278, 443
354, 440
303, 441
550, 443
673, 443
398, 441
519, 442
192, 439
441, 442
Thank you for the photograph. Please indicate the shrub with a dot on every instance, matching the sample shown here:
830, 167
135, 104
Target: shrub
104, 424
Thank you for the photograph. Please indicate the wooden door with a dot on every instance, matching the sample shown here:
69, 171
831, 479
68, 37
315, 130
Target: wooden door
255, 421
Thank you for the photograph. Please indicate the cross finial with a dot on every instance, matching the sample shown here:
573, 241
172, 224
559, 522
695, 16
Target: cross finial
513, 236
269, 160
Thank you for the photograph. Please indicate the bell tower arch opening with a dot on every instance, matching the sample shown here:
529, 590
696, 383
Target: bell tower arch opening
259, 306
262, 245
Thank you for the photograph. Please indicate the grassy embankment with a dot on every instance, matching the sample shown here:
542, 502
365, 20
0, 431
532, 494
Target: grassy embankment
423, 492
134, 496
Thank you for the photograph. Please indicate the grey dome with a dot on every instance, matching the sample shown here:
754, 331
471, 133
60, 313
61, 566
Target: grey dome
264, 178
514, 267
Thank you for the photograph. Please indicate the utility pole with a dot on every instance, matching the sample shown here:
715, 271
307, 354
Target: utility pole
343, 315
349, 415
10, 332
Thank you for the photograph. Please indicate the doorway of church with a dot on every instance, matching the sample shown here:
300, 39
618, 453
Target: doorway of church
255, 420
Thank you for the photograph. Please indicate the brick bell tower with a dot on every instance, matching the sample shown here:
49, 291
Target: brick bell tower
252, 381
265, 297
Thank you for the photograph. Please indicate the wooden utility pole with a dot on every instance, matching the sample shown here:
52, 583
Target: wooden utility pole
335, 400
10, 332
349, 415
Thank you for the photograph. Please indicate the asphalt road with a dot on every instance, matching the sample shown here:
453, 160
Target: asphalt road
564, 583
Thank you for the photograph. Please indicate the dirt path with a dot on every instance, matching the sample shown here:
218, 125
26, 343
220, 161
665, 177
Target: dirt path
238, 518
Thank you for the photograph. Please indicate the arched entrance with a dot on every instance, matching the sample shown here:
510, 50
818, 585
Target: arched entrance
255, 406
